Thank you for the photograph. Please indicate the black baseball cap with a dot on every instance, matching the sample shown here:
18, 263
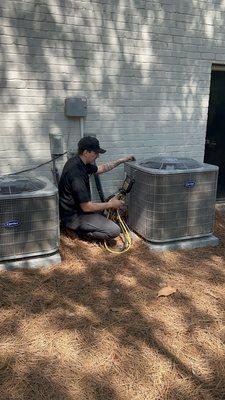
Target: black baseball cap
90, 143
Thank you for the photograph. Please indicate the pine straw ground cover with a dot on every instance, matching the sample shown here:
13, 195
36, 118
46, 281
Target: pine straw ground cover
94, 328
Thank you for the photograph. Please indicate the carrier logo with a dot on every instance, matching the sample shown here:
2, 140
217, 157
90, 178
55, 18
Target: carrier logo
11, 224
189, 184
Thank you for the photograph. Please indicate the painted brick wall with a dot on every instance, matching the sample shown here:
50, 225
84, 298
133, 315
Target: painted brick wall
143, 65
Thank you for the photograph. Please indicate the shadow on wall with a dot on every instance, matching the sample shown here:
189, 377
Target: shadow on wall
122, 58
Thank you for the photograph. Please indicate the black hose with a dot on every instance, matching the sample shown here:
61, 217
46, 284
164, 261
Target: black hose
99, 188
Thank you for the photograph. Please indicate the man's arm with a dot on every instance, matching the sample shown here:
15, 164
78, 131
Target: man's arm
113, 164
95, 207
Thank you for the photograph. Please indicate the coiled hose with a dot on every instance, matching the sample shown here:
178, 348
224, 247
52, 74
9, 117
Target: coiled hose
126, 233
115, 216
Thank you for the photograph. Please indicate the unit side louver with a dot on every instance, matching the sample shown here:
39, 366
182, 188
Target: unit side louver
29, 220
172, 199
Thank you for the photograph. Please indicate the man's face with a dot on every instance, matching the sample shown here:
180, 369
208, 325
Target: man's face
91, 156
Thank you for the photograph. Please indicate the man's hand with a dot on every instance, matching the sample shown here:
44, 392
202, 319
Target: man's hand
129, 158
115, 203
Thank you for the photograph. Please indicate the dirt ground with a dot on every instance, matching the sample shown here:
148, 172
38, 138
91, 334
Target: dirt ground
93, 327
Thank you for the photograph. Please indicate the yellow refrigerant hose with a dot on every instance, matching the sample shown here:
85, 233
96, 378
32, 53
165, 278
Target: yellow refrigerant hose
125, 231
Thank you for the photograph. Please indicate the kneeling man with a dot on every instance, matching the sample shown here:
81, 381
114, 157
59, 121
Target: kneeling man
77, 211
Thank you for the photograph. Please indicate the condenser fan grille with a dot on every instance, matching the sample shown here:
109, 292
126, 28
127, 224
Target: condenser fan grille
16, 184
171, 163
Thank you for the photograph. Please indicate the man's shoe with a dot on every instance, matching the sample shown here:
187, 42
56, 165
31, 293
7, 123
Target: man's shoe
70, 233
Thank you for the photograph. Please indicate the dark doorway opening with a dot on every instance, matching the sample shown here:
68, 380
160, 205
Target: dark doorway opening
215, 134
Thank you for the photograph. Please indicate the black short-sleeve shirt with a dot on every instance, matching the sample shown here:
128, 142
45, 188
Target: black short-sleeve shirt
74, 187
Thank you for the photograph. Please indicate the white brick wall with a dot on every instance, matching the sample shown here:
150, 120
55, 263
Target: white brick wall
143, 65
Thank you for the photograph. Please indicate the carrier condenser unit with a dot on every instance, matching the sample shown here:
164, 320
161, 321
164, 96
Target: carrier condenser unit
173, 199
29, 220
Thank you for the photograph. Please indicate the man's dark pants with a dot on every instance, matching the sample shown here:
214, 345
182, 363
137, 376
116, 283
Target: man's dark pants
94, 226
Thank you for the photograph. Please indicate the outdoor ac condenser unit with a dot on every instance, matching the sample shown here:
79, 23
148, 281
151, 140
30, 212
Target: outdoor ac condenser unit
29, 220
172, 199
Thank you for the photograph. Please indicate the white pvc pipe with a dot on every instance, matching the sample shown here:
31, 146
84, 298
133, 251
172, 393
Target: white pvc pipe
81, 127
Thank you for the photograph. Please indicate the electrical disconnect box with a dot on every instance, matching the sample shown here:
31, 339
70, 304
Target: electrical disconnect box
76, 106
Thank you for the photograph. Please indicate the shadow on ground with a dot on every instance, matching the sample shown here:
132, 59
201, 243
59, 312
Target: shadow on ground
94, 328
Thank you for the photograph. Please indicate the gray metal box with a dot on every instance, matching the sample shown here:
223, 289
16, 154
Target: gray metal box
76, 106
172, 199
29, 217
